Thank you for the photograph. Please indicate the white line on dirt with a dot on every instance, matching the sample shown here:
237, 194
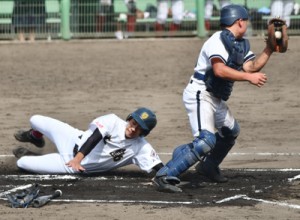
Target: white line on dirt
125, 201
266, 169
274, 203
55, 177
231, 198
283, 204
41, 177
131, 201
259, 200
15, 189
294, 178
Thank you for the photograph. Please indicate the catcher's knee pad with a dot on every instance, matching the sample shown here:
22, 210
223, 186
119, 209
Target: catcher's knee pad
187, 155
203, 144
224, 144
231, 133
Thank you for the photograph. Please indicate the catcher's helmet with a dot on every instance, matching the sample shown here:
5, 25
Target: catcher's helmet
145, 118
231, 13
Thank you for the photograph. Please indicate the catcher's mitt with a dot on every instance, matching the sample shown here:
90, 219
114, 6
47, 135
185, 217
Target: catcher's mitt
277, 35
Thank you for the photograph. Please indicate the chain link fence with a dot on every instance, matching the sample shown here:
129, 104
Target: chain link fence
50, 19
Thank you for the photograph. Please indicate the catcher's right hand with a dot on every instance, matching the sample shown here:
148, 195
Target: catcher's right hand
277, 35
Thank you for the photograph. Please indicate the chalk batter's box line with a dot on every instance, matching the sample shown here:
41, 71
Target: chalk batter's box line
151, 202
245, 197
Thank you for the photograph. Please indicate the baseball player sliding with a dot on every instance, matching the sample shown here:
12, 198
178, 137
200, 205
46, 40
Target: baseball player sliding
108, 143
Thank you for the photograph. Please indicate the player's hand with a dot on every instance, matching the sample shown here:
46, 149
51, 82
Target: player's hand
258, 79
75, 163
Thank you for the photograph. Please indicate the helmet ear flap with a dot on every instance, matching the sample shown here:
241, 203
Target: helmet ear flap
145, 133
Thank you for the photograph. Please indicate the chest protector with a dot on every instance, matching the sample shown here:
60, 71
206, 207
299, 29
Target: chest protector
237, 50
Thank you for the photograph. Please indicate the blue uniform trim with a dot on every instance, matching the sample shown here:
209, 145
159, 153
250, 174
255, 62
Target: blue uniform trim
199, 76
250, 57
198, 111
217, 56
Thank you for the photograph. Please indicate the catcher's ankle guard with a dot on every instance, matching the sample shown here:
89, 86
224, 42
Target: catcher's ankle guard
277, 35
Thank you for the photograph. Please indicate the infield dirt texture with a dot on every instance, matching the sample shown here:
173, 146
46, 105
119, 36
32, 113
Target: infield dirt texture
77, 81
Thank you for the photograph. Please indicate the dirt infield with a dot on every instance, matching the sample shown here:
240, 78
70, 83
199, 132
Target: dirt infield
78, 80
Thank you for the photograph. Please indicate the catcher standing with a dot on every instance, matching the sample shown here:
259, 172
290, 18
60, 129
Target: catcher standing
224, 58
108, 143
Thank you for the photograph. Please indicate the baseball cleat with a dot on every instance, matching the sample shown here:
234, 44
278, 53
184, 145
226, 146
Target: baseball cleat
213, 173
21, 151
26, 136
164, 185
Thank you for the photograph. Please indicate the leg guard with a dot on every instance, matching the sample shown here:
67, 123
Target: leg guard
224, 144
187, 155
210, 166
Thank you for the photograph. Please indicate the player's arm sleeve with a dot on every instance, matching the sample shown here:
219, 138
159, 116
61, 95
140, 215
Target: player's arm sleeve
147, 159
216, 50
250, 56
105, 124
91, 142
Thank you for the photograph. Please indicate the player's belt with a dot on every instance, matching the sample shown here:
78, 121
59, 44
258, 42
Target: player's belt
199, 76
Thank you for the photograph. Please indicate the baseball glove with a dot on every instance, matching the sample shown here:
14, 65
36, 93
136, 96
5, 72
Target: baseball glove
277, 39
25, 198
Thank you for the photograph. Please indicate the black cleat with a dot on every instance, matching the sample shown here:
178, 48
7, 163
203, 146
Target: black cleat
211, 172
21, 151
25, 136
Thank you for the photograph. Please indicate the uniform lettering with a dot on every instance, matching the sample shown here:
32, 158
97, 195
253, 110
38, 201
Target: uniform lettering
118, 154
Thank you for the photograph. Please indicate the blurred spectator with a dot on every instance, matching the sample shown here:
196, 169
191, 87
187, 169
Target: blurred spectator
106, 16
28, 16
209, 8
177, 11
133, 13
129, 17
282, 9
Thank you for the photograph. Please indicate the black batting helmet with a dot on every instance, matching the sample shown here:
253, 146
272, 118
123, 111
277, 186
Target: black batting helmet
145, 118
